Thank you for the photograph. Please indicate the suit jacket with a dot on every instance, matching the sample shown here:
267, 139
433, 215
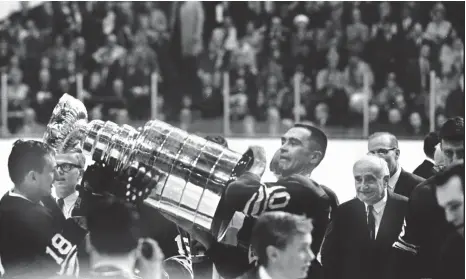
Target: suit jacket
348, 251
406, 183
425, 169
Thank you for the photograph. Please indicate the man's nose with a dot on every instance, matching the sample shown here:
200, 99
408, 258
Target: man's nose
457, 159
450, 216
311, 255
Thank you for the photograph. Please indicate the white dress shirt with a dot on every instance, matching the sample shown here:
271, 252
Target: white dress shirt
394, 179
69, 204
379, 208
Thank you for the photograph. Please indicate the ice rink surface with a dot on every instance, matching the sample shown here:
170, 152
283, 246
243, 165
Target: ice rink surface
335, 171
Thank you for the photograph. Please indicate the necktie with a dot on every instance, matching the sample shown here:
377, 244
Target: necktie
61, 203
371, 221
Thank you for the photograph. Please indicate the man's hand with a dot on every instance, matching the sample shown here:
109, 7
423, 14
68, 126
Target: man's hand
99, 180
150, 259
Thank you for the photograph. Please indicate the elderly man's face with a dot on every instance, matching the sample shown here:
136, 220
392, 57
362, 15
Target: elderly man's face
69, 172
296, 151
385, 149
370, 182
450, 197
453, 151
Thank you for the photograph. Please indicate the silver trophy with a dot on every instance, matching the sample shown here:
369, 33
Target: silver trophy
194, 172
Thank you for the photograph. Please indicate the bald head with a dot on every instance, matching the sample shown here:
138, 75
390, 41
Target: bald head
387, 138
385, 146
374, 163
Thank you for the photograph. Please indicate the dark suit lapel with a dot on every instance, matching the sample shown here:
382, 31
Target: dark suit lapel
400, 181
388, 220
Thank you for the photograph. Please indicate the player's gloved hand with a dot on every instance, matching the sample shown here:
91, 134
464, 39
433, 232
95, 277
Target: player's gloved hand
99, 180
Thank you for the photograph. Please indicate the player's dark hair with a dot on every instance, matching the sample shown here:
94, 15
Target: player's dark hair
454, 170
430, 141
114, 227
276, 228
26, 156
218, 139
317, 135
452, 129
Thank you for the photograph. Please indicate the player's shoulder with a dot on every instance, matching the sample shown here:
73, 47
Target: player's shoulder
303, 185
423, 191
348, 204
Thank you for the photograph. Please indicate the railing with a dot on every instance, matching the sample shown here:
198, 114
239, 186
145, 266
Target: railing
225, 91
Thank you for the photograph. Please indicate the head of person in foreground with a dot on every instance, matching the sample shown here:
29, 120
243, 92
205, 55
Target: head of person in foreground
282, 242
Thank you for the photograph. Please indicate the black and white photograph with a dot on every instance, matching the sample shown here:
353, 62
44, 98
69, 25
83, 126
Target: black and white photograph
232, 140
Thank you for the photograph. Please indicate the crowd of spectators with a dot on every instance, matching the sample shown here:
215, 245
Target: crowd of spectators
334, 52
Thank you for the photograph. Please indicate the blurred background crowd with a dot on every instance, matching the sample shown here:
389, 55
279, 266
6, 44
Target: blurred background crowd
107, 53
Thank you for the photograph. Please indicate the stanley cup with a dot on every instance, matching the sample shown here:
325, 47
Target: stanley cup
194, 172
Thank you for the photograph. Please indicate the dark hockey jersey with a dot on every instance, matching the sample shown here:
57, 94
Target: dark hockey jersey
33, 243
173, 242
424, 231
295, 194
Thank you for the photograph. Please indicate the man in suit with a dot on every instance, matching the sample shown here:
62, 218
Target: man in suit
385, 146
70, 169
426, 168
32, 242
450, 196
358, 244
282, 242
425, 227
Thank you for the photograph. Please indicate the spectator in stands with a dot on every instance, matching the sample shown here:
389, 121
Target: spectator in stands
109, 53
301, 45
187, 25
386, 98
43, 99
438, 29
416, 77
417, 126
57, 55
357, 33
18, 99
383, 53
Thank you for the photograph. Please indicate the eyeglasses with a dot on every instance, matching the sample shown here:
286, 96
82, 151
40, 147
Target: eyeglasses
382, 151
66, 167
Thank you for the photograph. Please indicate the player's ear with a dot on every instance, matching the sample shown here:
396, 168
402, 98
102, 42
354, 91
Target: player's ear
272, 253
316, 157
31, 176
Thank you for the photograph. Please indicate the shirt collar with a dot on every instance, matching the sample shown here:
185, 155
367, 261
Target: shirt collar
394, 178
263, 274
71, 199
13, 194
380, 205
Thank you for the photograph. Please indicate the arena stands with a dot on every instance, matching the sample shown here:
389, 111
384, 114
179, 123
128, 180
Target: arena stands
110, 54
